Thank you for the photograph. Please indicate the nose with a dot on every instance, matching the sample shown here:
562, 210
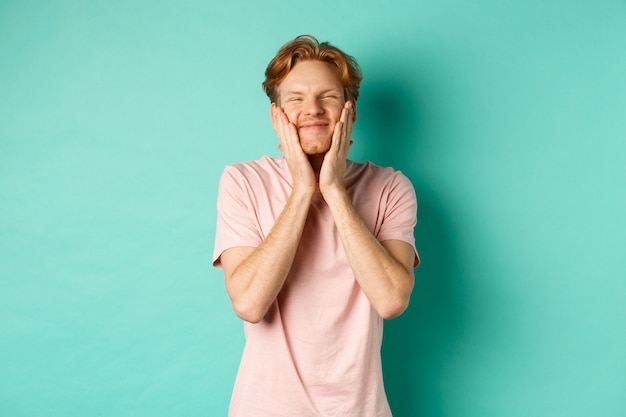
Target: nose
313, 107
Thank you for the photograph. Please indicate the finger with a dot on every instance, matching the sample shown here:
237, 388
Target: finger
282, 124
349, 126
346, 125
350, 116
344, 113
337, 136
289, 127
288, 134
347, 116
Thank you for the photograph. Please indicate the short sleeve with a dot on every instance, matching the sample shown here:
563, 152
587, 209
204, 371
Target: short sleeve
400, 215
237, 223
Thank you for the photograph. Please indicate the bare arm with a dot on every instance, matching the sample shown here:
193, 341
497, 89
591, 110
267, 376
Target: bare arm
384, 270
255, 276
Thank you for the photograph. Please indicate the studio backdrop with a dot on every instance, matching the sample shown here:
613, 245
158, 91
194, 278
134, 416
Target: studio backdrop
118, 117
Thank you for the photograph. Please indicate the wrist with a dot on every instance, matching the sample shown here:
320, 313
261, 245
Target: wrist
334, 193
303, 192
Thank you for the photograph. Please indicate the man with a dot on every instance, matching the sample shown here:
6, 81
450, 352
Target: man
316, 249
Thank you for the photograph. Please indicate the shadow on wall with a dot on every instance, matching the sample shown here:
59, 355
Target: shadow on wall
419, 344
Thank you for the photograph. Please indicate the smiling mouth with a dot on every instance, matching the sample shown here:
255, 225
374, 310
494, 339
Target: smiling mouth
313, 125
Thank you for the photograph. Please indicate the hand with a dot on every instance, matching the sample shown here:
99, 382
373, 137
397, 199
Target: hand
333, 167
289, 143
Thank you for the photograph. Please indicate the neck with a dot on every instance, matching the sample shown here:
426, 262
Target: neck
316, 163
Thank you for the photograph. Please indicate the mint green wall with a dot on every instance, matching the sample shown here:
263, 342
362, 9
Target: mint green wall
116, 119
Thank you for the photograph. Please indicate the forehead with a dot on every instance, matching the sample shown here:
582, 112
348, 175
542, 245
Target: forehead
310, 75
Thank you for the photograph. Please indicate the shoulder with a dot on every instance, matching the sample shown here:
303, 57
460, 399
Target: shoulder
258, 169
370, 173
264, 164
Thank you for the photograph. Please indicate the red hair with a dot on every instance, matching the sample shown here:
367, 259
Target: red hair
306, 47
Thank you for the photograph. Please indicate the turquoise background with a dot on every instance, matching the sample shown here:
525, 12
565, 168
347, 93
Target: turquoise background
117, 118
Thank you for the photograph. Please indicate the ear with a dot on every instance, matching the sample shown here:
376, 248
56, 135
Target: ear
272, 114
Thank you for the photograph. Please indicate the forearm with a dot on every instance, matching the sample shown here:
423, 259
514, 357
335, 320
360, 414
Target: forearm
386, 281
254, 282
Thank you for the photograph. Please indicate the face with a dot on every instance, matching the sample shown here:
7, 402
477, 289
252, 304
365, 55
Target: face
312, 98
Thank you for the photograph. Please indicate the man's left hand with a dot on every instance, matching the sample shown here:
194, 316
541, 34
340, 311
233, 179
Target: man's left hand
333, 167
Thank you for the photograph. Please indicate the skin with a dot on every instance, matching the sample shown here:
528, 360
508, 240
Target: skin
314, 124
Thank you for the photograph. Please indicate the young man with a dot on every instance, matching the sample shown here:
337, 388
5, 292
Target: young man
316, 249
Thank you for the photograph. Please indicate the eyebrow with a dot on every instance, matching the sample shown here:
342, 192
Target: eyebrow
299, 92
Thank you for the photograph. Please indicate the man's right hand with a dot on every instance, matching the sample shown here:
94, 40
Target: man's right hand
289, 143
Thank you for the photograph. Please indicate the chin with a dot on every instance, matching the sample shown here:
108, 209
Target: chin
317, 149
315, 146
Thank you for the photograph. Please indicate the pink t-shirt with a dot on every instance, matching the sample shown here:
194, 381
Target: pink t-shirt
317, 352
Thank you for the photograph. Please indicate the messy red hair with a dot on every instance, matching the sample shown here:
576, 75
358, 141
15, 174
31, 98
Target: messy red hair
306, 47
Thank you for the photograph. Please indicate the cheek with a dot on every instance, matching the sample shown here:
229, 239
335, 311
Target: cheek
292, 115
337, 112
